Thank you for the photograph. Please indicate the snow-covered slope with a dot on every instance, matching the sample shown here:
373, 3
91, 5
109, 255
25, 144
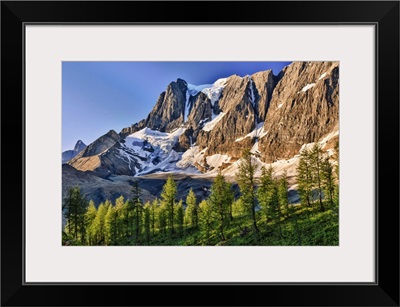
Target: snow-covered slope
213, 91
152, 151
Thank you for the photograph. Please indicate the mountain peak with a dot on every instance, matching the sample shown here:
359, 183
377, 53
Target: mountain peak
70, 154
181, 81
79, 146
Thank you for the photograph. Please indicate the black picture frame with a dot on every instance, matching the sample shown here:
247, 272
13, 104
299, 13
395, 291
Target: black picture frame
383, 14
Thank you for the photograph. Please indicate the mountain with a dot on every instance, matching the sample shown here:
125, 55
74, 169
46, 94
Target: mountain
200, 129
69, 154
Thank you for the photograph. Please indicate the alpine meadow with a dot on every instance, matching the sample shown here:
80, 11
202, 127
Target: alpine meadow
207, 154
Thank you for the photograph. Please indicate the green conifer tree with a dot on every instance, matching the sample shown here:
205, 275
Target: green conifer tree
179, 217
191, 214
305, 177
74, 209
90, 216
316, 167
220, 207
205, 220
147, 221
162, 219
153, 215
246, 181
120, 213
265, 192
110, 226
168, 197
99, 224
283, 196
137, 211
328, 180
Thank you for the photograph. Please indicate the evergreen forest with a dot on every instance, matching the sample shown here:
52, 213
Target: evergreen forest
260, 216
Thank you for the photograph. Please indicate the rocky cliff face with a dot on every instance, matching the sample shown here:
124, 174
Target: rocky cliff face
168, 112
237, 117
304, 107
195, 126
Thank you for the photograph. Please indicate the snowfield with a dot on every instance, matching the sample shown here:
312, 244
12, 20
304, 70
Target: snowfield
152, 151
213, 91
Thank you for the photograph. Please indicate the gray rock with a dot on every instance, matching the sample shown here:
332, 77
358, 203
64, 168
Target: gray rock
168, 113
101, 144
69, 154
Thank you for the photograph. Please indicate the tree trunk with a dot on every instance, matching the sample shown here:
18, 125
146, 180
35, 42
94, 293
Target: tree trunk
321, 206
76, 222
319, 184
172, 219
137, 224
253, 213
221, 228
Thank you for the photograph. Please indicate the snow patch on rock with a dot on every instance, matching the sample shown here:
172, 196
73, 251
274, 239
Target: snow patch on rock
210, 125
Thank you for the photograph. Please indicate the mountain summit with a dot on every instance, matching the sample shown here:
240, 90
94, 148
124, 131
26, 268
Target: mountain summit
69, 154
203, 128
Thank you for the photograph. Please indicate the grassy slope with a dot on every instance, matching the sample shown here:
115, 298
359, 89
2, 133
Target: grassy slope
304, 227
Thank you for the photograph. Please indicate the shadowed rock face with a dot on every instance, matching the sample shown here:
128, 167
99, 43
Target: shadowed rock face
264, 82
168, 113
239, 117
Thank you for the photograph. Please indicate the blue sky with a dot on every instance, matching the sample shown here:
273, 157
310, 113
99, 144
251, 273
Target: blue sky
100, 96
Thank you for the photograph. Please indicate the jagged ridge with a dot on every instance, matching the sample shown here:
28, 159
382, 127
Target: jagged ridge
274, 115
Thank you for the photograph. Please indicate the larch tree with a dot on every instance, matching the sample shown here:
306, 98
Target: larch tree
99, 224
229, 199
90, 216
246, 182
110, 226
205, 220
168, 197
74, 209
120, 212
336, 172
153, 215
316, 168
179, 217
147, 221
328, 180
265, 192
137, 208
283, 197
162, 218
191, 214
276, 208
305, 177
218, 202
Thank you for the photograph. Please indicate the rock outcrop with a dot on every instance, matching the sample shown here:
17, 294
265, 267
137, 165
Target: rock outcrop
69, 154
89, 158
